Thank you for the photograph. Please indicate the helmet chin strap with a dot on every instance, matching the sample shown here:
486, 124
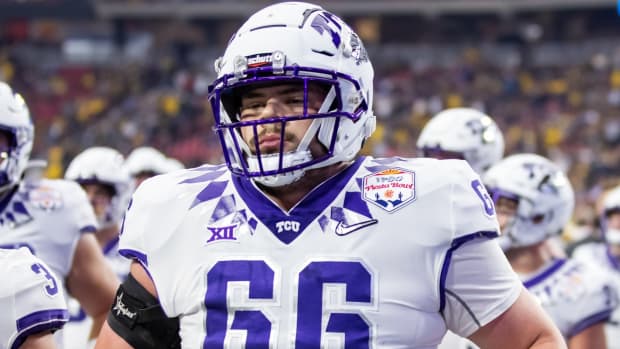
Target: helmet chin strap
300, 155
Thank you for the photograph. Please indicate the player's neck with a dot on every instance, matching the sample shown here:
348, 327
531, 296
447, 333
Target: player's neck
288, 196
525, 260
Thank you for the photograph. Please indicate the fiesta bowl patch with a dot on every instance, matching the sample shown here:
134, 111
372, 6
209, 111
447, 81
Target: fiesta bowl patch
390, 189
46, 198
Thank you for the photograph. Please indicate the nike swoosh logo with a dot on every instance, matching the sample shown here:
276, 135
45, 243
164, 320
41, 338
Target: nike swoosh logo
344, 229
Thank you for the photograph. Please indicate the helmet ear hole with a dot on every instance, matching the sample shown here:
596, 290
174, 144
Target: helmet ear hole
11, 140
539, 218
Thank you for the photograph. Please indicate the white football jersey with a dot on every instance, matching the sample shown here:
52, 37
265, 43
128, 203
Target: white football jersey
32, 301
573, 293
386, 254
598, 255
48, 217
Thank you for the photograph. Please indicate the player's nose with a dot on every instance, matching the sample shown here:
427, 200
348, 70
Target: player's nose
273, 107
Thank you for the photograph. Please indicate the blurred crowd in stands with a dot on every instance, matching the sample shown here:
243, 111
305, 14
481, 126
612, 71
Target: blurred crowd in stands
558, 96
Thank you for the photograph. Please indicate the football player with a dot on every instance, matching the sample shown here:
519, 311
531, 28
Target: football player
297, 241
607, 255
465, 134
101, 172
534, 201
52, 218
32, 302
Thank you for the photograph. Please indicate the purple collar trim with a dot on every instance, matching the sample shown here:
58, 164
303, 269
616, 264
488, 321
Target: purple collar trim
288, 226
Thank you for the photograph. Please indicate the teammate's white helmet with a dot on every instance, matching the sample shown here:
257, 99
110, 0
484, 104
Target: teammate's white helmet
103, 165
147, 159
15, 121
544, 194
463, 133
611, 204
173, 165
302, 43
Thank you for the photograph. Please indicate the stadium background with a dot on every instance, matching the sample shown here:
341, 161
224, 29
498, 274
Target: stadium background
131, 73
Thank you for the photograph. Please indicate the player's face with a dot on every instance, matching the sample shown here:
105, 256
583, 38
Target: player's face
276, 101
613, 222
506, 210
99, 196
142, 176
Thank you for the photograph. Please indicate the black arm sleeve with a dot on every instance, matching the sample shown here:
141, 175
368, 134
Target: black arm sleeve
138, 318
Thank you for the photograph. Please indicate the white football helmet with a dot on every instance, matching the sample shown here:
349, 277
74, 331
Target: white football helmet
147, 159
543, 192
173, 164
302, 43
103, 165
611, 204
15, 121
463, 133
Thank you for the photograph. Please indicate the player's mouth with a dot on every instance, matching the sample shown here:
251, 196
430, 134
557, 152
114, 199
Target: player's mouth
271, 144
269, 141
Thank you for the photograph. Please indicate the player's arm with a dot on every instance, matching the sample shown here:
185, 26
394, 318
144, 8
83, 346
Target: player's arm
592, 337
523, 325
108, 338
148, 328
41, 340
91, 281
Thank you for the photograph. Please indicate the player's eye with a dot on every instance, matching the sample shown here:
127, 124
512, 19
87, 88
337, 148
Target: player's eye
251, 109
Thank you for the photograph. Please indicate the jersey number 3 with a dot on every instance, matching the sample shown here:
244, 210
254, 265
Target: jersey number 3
312, 278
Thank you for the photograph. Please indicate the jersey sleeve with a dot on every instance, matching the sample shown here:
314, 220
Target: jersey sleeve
151, 222
151, 219
131, 242
479, 283
38, 298
473, 212
480, 286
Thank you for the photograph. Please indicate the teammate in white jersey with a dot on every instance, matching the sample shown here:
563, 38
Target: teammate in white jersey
32, 302
466, 134
52, 218
300, 243
102, 174
146, 162
607, 256
534, 201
